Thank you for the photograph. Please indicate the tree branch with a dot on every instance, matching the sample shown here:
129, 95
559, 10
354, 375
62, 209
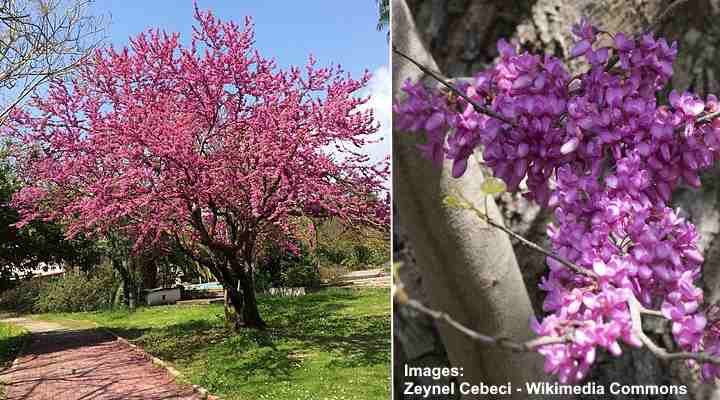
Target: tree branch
477, 106
528, 243
635, 310
530, 345
490, 113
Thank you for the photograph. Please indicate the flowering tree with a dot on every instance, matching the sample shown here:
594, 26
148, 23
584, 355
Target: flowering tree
209, 144
39, 244
602, 152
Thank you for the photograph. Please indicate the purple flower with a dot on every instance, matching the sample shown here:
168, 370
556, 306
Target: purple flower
606, 158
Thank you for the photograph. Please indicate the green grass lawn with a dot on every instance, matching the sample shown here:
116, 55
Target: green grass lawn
12, 339
333, 344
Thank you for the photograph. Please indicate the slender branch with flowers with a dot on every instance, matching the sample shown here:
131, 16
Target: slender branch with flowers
603, 153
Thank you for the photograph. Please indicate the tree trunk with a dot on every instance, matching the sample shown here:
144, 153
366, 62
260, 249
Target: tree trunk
129, 289
233, 306
468, 268
126, 293
250, 312
149, 273
243, 300
233, 298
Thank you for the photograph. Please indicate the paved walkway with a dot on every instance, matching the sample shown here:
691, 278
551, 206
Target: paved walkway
64, 364
376, 278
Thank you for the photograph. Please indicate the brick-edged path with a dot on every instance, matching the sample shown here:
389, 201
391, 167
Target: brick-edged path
63, 364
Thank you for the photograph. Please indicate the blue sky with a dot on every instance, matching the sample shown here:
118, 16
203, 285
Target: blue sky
334, 31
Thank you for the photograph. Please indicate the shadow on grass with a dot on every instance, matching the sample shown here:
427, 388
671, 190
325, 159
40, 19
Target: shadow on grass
9, 347
332, 322
242, 355
319, 323
298, 326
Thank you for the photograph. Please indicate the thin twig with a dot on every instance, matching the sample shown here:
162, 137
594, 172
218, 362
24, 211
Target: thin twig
702, 119
707, 117
652, 313
477, 106
530, 244
530, 345
660, 352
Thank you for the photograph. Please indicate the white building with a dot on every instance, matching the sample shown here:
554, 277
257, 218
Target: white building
158, 296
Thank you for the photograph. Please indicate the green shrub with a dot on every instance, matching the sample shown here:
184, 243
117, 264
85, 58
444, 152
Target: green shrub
264, 280
354, 254
79, 291
282, 268
300, 275
21, 298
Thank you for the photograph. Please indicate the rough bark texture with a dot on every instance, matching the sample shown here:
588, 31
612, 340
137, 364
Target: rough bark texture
461, 36
467, 267
250, 312
128, 282
149, 272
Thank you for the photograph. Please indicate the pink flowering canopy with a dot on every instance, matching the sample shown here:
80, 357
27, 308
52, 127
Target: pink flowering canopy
601, 151
210, 142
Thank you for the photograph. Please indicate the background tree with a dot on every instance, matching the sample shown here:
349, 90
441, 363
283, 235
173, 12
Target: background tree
41, 40
384, 14
39, 244
210, 144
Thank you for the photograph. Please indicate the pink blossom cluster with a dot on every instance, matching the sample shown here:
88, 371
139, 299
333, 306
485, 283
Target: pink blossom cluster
209, 142
635, 247
600, 151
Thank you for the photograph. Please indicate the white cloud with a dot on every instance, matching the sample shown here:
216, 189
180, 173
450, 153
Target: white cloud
380, 90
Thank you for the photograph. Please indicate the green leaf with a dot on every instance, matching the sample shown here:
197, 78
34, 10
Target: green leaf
454, 202
493, 185
396, 271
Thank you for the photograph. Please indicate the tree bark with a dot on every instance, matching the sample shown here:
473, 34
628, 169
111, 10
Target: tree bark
128, 283
234, 303
468, 268
250, 312
149, 269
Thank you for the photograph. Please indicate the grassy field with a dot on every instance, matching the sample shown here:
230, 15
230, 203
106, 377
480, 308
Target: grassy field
333, 344
12, 339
